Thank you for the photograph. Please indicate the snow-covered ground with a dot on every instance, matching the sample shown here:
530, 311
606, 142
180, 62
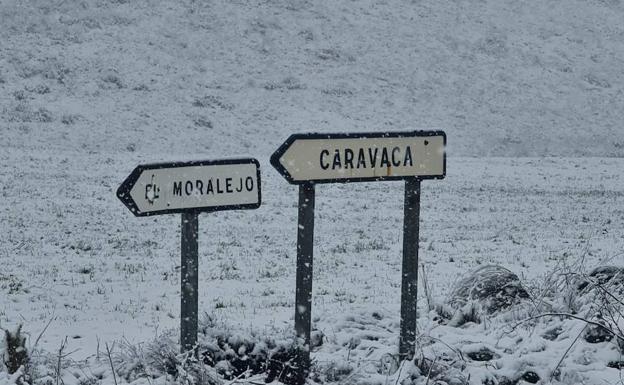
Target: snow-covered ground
90, 89
73, 253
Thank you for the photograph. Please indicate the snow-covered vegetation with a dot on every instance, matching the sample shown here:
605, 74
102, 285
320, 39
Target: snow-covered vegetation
90, 89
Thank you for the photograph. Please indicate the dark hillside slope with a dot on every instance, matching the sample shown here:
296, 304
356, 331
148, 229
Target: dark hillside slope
502, 77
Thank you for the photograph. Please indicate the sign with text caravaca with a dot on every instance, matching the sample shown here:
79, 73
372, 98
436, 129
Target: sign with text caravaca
308, 159
197, 186
352, 157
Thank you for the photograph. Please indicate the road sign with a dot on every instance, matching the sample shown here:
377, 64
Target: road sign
166, 188
307, 159
190, 188
331, 158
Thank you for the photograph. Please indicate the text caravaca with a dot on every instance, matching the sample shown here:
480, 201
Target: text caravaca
326, 158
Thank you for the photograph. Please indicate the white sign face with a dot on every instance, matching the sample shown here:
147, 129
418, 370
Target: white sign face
323, 158
192, 186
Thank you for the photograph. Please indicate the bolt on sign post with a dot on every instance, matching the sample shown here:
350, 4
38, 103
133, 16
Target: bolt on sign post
190, 188
308, 159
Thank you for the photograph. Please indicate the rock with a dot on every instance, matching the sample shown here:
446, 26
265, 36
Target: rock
483, 354
388, 364
552, 334
597, 334
494, 287
316, 339
609, 277
531, 377
499, 380
616, 365
603, 285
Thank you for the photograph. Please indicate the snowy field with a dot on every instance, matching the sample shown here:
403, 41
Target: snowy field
528, 92
72, 253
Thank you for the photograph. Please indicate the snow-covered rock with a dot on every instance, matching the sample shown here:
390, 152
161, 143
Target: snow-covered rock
493, 287
610, 278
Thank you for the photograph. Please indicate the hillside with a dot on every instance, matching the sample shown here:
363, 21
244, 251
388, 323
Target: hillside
503, 78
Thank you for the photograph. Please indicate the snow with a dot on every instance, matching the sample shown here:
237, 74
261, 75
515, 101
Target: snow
103, 274
529, 94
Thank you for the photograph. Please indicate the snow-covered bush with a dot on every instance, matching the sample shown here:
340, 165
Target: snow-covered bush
15, 356
158, 357
221, 354
237, 353
162, 357
15, 352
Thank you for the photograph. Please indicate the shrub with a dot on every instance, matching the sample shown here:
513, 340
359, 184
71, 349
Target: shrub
15, 357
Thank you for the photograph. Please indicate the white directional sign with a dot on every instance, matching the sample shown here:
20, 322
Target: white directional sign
308, 159
326, 158
166, 188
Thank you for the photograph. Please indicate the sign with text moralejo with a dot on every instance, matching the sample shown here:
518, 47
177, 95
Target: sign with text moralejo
166, 188
190, 188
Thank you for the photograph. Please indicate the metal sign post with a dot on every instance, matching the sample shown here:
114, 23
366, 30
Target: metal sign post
190, 188
189, 285
305, 251
307, 159
409, 273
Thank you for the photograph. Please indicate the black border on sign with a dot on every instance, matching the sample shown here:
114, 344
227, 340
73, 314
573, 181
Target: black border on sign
123, 192
405, 134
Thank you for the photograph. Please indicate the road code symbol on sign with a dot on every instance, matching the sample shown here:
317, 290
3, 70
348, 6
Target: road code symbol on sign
166, 188
327, 158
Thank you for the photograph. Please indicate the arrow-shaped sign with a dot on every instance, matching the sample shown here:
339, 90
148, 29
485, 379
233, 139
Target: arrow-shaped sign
165, 188
327, 158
